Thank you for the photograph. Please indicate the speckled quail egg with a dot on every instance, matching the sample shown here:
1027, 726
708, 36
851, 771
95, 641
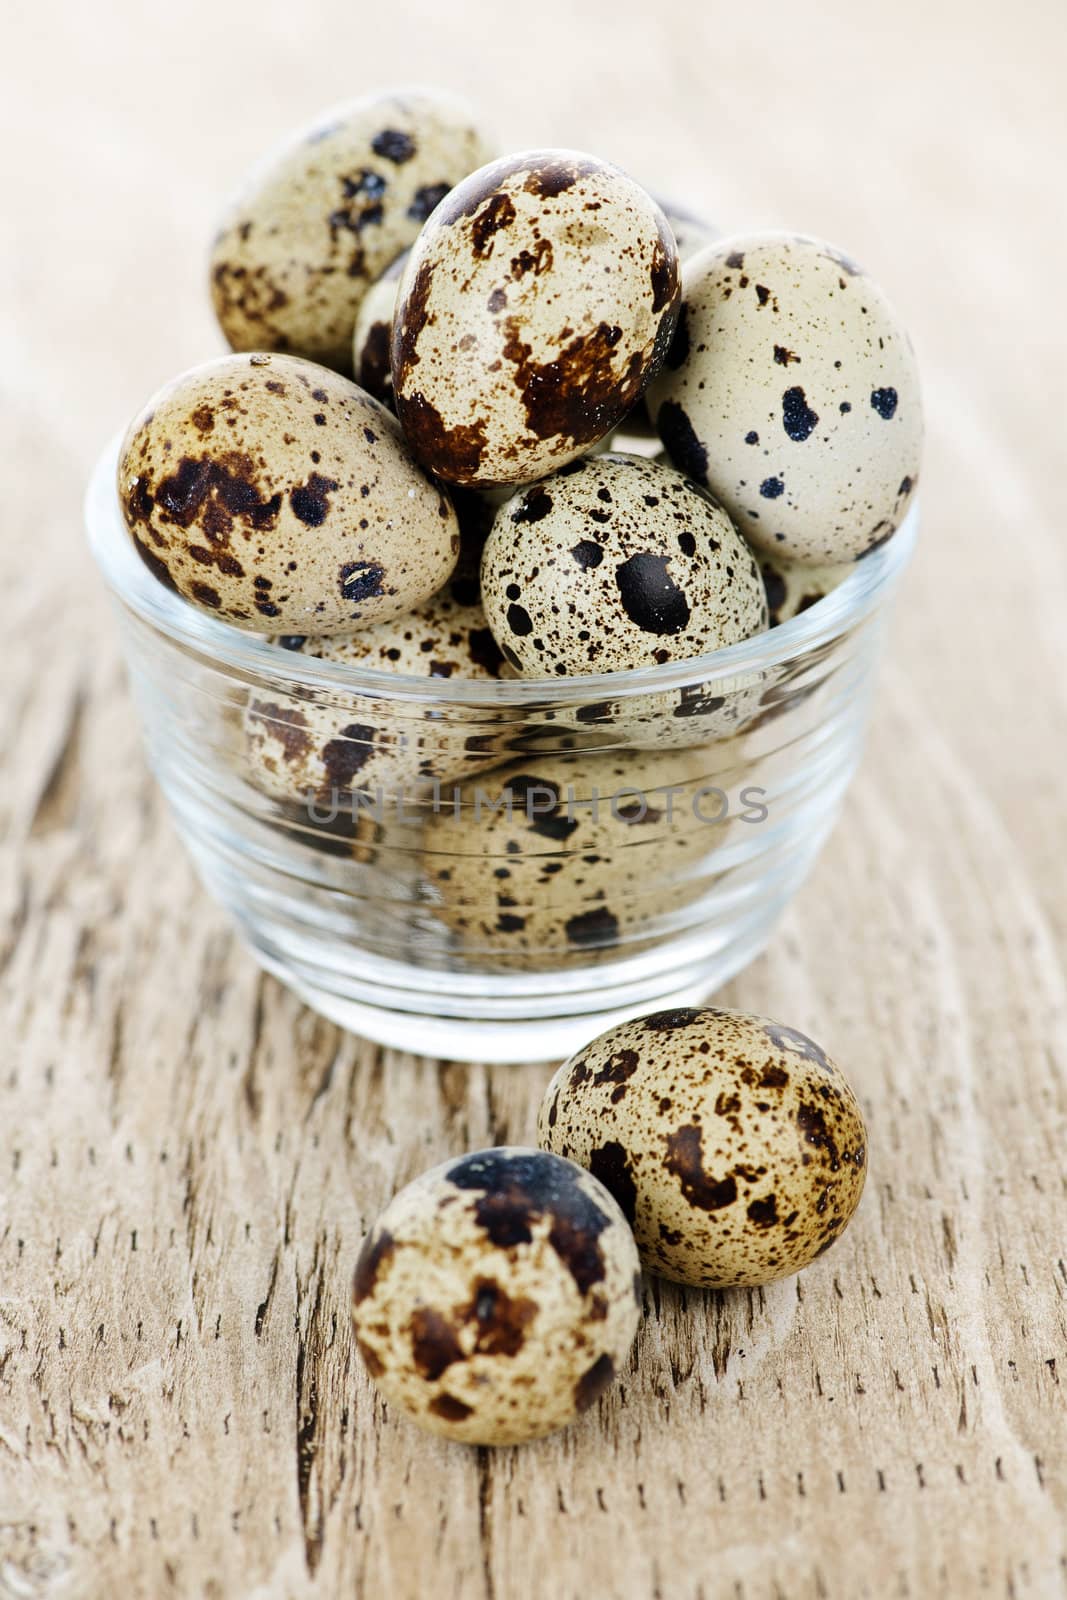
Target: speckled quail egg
791, 390
323, 217
497, 1296
300, 748
793, 587
536, 303
733, 1144
562, 859
372, 337
279, 496
613, 562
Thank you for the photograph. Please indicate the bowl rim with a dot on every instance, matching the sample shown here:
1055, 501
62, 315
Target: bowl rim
868, 585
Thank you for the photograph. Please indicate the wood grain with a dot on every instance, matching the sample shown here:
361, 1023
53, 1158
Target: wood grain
188, 1158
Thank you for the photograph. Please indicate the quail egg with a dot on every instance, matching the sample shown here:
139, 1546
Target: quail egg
793, 587
277, 495
497, 1296
536, 303
614, 562
734, 1145
562, 859
323, 217
304, 750
373, 334
791, 390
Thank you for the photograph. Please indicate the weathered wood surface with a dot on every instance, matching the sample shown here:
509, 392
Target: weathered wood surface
188, 1158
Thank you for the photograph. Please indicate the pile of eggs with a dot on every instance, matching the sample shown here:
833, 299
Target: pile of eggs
516, 327
497, 1296
490, 418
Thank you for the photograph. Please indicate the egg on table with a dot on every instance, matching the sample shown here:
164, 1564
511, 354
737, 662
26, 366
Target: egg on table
616, 562
734, 1145
536, 303
321, 219
373, 333
563, 858
497, 1296
792, 392
276, 494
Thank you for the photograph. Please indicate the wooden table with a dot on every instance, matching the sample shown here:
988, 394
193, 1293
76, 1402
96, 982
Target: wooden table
188, 1158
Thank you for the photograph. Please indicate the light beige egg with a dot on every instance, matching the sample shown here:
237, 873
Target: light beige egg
793, 587
322, 218
616, 562
734, 1145
279, 496
321, 750
536, 303
497, 1296
791, 390
372, 337
565, 859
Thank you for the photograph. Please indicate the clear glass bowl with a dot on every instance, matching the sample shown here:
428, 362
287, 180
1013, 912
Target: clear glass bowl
593, 848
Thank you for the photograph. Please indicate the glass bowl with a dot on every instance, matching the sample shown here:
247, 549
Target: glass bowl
522, 863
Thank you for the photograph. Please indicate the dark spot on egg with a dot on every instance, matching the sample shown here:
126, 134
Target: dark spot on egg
435, 1343
610, 1164
519, 620
426, 199
771, 488
669, 1021
798, 419
884, 401
360, 580
517, 1189
684, 1161
377, 1250
649, 595
393, 145
535, 504
447, 1407
681, 442
592, 928
310, 501
497, 213
798, 1044
587, 553
764, 1213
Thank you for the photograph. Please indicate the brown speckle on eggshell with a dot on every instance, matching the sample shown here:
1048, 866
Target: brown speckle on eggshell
535, 305
734, 1144
497, 1296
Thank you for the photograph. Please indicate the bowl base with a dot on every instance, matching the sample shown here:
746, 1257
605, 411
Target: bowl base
511, 1040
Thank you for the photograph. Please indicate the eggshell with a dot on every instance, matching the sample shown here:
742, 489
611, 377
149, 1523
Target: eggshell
791, 390
373, 334
277, 495
563, 859
536, 303
323, 217
734, 1146
616, 562
793, 587
300, 748
497, 1296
